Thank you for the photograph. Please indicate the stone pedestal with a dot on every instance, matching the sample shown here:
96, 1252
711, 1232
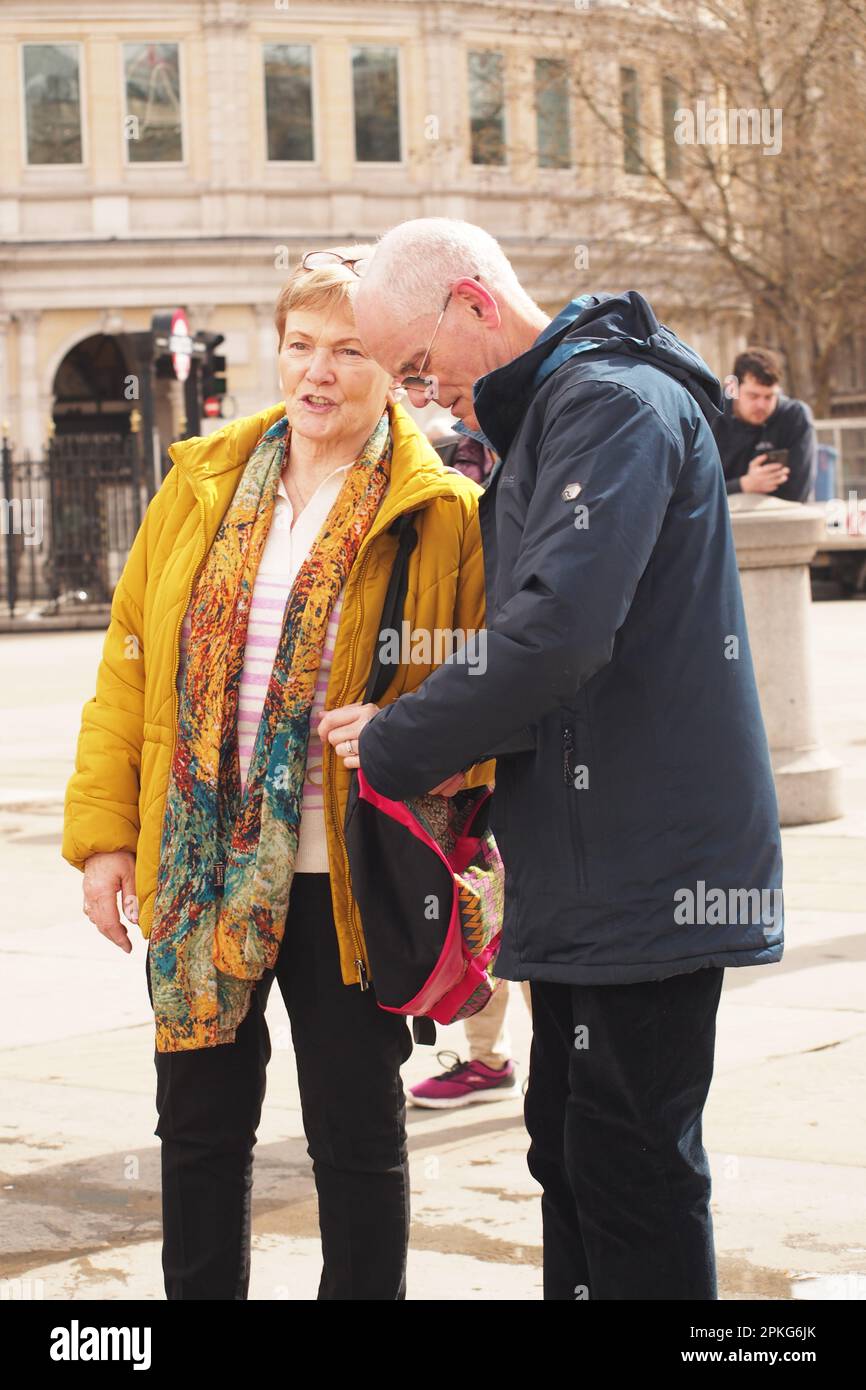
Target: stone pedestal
775, 541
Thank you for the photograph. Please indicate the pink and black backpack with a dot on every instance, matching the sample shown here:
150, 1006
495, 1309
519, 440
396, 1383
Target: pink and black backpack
426, 874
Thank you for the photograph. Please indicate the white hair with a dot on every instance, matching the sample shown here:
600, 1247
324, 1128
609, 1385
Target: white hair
415, 263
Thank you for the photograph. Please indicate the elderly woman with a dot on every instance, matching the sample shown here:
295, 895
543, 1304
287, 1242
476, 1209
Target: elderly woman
249, 603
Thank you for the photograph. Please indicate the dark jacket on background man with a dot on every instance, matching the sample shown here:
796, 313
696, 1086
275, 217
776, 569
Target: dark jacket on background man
633, 774
789, 427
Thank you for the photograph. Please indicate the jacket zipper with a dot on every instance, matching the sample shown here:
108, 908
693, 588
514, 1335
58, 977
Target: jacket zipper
567, 750
568, 774
360, 963
199, 565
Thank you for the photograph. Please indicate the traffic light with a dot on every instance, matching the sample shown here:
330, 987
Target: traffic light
214, 382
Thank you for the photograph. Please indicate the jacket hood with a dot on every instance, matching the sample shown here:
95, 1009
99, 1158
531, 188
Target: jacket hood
595, 323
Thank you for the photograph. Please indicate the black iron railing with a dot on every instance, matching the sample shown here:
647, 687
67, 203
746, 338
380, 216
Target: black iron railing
67, 521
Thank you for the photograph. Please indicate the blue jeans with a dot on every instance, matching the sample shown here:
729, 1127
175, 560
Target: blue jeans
618, 1079
348, 1053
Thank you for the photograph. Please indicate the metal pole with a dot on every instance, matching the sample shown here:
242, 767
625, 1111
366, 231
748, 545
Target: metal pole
11, 576
142, 345
192, 399
135, 464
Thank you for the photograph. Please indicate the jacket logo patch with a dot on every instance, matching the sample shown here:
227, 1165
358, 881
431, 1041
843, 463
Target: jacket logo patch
570, 492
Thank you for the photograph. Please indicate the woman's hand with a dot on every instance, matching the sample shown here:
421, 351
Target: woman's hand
342, 728
104, 876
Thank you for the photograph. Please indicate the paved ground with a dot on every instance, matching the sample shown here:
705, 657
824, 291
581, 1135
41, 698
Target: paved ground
79, 1160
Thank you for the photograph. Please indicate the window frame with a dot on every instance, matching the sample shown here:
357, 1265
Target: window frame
505, 166
547, 169
668, 142
314, 104
82, 103
401, 107
150, 164
640, 172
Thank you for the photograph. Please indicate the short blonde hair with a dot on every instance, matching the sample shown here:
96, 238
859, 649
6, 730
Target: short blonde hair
326, 287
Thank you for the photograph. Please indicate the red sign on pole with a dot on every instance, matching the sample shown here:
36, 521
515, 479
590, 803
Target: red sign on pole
180, 344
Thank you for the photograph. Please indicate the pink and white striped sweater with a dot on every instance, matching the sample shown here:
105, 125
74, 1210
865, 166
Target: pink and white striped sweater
286, 548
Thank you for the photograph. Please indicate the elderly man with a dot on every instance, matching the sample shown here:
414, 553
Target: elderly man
634, 804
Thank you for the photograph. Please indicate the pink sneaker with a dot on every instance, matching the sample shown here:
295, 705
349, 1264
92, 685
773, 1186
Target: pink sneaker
463, 1083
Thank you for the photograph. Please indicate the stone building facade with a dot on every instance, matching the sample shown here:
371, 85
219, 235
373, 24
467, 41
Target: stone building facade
184, 154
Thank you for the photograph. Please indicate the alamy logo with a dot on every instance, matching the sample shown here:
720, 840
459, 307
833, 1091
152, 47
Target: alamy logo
729, 125
718, 907
77, 1343
22, 517
431, 648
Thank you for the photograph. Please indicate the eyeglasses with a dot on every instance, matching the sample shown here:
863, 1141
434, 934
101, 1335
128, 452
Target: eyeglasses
420, 382
315, 260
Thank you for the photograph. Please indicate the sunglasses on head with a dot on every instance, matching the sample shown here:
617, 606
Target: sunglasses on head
316, 260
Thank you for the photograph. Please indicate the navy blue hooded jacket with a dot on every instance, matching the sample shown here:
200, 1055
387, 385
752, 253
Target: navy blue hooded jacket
634, 806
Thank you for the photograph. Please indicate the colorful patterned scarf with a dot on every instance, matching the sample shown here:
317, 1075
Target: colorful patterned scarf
227, 856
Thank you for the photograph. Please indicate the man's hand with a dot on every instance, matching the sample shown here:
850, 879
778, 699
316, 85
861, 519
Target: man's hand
104, 876
342, 728
764, 477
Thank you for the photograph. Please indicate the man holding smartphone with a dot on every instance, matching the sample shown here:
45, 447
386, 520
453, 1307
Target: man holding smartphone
766, 439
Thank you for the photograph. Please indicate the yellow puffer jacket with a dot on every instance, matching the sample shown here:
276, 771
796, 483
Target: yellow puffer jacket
115, 799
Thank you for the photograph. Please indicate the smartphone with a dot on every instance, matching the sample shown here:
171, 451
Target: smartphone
775, 456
